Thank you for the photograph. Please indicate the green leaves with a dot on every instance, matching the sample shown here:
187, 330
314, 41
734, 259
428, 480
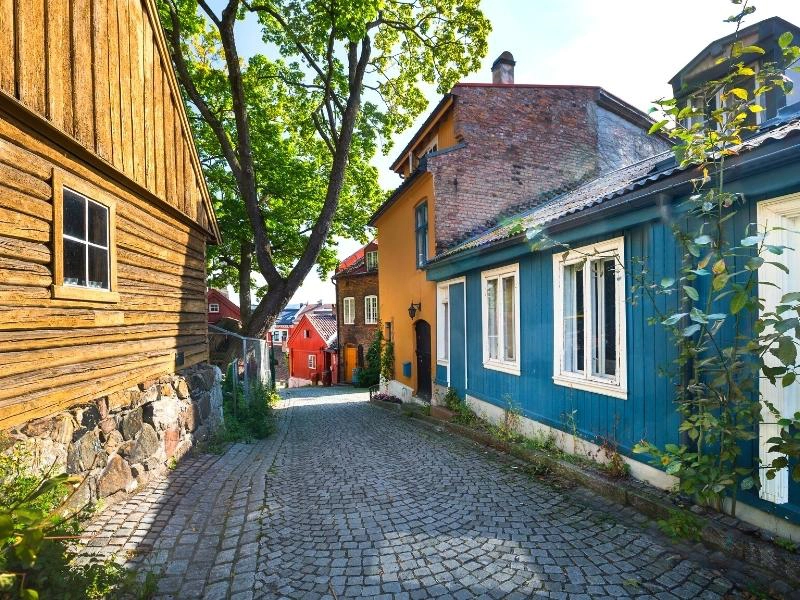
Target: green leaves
691, 292
785, 39
786, 351
658, 126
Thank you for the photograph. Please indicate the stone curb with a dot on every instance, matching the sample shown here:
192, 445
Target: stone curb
756, 552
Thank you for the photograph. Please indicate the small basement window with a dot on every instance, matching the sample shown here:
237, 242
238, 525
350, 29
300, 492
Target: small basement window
83, 241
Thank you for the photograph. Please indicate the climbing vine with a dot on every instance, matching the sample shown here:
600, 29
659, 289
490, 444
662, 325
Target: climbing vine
726, 341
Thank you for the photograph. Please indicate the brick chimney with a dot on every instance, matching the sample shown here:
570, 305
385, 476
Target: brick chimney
503, 68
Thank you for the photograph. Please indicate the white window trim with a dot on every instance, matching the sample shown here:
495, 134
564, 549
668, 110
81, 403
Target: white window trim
312, 361
586, 381
213, 308
370, 319
496, 364
442, 298
349, 316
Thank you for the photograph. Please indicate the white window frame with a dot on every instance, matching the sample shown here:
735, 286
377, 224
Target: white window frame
312, 361
371, 259
443, 323
497, 364
618, 386
349, 310
370, 310
213, 307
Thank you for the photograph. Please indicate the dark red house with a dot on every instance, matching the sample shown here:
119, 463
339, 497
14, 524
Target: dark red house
310, 346
220, 307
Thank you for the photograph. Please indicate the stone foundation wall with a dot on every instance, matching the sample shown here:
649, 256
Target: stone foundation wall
118, 442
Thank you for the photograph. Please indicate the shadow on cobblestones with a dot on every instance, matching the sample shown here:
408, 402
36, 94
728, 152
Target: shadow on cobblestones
347, 500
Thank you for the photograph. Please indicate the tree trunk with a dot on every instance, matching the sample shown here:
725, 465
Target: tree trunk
245, 269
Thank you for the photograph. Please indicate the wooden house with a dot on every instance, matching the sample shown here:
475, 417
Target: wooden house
310, 345
104, 213
554, 332
220, 307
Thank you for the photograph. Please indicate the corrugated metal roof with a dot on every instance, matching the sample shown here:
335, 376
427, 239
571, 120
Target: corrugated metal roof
604, 188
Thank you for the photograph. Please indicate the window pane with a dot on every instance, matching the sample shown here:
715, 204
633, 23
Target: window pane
491, 304
793, 95
74, 215
98, 268
604, 335
446, 330
509, 331
573, 319
74, 263
98, 224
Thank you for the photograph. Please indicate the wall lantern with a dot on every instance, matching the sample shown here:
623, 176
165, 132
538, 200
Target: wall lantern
412, 310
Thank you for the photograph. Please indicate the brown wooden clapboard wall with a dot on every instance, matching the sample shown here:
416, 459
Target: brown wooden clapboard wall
86, 87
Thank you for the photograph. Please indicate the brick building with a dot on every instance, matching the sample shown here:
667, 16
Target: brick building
486, 152
356, 280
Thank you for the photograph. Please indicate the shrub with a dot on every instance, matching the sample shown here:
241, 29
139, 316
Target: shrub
245, 419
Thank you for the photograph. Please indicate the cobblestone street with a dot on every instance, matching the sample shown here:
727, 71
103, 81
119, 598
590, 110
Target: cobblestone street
347, 500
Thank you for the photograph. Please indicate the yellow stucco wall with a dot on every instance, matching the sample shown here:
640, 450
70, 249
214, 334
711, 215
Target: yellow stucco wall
400, 282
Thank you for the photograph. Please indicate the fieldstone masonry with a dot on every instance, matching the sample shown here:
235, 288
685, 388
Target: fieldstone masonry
120, 441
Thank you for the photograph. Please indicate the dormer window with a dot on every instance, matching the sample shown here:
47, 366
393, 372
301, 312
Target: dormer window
372, 260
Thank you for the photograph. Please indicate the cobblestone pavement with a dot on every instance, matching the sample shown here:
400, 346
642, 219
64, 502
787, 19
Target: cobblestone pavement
348, 500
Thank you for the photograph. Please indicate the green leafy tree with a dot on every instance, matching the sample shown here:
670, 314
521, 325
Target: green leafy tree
287, 142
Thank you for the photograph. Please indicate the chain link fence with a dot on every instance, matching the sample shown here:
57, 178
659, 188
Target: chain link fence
245, 361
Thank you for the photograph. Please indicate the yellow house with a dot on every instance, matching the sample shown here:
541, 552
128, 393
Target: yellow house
487, 150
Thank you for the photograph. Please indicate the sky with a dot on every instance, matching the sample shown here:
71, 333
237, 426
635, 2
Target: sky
629, 47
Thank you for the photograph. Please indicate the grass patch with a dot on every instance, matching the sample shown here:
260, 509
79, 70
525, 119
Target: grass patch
245, 420
681, 525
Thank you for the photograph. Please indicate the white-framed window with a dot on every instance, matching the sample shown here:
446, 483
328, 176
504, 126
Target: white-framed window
443, 324
500, 299
349, 310
312, 361
370, 310
213, 307
372, 260
589, 319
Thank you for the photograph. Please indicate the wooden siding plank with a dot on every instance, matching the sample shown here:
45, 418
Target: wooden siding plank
114, 87
32, 252
169, 146
136, 98
158, 129
82, 77
7, 50
102, 98
126, 115
30, 54
20, 226
149, 123
14, 341
59, 66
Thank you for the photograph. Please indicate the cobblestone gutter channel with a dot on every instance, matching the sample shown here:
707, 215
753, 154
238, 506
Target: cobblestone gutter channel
350, 501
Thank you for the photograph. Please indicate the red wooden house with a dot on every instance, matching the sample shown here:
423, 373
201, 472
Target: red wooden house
220, 307
311, 348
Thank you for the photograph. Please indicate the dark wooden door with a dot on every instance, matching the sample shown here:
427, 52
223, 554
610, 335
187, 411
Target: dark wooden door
423, 335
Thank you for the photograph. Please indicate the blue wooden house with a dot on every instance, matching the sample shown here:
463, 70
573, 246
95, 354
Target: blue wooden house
556, 335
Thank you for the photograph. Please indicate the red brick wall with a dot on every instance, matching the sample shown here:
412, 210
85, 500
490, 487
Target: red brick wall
524, 144
356, 286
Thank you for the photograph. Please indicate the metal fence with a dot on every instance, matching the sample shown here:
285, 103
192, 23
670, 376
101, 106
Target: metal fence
244, 361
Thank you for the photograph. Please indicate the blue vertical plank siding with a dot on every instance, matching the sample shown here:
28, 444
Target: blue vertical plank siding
458, 357
649, 412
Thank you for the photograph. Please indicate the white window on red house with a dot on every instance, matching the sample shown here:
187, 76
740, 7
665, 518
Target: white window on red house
312, 361
213, 307
371, 310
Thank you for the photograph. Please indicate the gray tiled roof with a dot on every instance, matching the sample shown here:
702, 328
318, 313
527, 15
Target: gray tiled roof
600, 190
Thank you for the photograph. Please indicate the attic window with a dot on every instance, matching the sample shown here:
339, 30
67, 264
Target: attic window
83, 241
213, 308
306, 333
372, 260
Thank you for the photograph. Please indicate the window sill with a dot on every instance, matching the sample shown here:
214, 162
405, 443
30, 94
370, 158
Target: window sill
68, 292
369, 323
510, 368
595, 387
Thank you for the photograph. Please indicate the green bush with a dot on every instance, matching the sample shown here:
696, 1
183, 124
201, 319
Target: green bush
35, 531
370, 374
244, 420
